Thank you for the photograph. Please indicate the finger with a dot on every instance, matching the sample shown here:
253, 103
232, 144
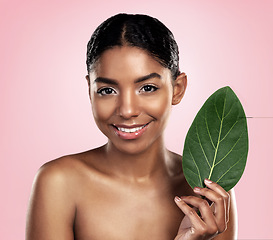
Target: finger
203, 206
218, 189
220, 203
195, 220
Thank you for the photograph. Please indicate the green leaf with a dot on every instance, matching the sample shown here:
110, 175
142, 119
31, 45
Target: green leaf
216, 144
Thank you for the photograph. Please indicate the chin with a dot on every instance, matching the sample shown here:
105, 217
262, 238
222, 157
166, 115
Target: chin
136, 147
130, 148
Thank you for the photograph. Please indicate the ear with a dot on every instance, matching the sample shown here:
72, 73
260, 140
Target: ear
88, 80
179, 88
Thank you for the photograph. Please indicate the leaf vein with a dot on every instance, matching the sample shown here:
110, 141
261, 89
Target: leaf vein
207, 126
196, 167
200, 144
229, 131
216, 110
229, 150
218, 141
192, 171
228, 170
229, 110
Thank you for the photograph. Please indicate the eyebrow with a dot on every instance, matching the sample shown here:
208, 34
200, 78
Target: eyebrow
105, 80
114, 82
149, 76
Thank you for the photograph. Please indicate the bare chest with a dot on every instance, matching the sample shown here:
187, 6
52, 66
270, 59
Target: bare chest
126, 213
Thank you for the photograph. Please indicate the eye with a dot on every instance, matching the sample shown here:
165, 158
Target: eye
106, 91
148, 88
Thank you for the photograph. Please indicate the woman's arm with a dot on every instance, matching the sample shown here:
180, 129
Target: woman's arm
217, 221
51, 209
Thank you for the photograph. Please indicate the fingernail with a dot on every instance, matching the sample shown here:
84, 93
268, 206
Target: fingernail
177, 199
207, 181
197, 189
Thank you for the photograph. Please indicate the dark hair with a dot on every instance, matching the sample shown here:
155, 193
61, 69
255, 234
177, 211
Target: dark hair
137, 30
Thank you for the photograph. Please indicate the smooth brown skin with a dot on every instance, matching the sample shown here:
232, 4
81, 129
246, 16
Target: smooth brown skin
126, 188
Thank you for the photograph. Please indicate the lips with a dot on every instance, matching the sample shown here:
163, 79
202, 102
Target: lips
130, 132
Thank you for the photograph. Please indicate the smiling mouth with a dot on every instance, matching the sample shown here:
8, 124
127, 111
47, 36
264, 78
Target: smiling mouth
130, 130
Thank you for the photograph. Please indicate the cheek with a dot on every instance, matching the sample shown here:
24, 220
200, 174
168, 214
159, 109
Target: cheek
103, 109
160, 107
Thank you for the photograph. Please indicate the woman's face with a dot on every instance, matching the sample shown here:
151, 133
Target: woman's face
131, 96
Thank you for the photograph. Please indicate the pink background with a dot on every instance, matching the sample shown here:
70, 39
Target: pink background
45, 110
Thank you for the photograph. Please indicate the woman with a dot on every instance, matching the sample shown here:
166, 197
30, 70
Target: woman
129, 188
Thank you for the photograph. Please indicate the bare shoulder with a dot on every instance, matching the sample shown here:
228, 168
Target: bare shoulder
67, 169
182, 188
57, 170
56, 174
64, 177
175, 163
53, 201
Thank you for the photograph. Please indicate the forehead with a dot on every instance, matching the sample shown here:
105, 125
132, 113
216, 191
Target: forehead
127, 61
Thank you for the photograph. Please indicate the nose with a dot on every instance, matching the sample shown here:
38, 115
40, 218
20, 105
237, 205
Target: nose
128, 105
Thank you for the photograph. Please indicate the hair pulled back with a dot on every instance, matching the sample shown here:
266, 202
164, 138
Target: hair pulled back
136, 30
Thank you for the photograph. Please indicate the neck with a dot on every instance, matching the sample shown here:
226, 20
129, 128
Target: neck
138, 167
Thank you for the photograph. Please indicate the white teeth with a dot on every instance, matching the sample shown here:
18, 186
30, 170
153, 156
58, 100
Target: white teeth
130, 130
